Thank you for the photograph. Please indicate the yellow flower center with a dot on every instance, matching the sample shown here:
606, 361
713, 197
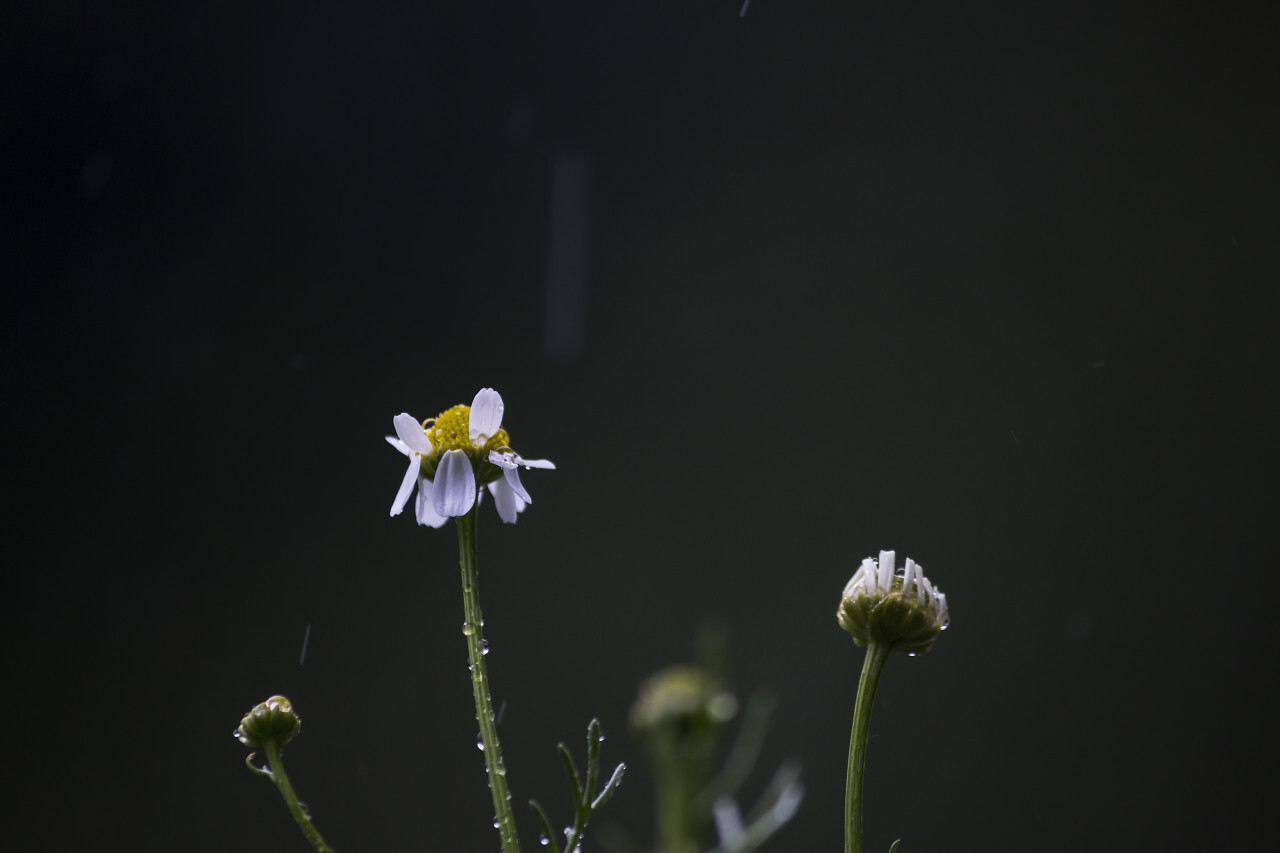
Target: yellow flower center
451, 430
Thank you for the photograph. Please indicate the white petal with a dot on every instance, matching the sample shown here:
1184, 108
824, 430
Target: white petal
406, 485
512, 479
397, 444
454, 491
729, 823
486, 415
425, 511
851, 587
885, 578
410, 432
921, 581
505, 461
908, 575
505, 500
868, 572
535, 463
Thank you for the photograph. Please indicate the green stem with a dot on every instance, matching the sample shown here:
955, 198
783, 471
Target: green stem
676, 832
471, 627
872, 666
291, 799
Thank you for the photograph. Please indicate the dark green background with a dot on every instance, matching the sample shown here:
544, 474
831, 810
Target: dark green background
982, 282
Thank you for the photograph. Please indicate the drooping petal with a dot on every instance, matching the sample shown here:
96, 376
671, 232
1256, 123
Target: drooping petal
505, 500
505, 461
453, 493
535, 463
410, 432
397, 444
406, 485
885, 576
425, 510
486, 415
512, 479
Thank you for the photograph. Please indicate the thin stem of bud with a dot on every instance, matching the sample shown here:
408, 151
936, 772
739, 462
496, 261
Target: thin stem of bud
472, 627
872, 666
272, 749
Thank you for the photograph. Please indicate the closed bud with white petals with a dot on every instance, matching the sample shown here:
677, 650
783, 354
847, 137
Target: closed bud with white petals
898, 608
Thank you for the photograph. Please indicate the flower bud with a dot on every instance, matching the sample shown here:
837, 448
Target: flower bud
273, 719
683, 697
902, 611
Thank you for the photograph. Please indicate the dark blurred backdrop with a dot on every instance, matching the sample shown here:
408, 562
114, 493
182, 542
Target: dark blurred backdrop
982, 282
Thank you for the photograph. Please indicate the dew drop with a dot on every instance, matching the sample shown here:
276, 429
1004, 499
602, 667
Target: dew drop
468, 628
496, 822
544, 841
480, 741
484, 647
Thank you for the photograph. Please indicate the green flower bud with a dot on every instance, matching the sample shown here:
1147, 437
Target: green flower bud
904, 612
683, 697
273, 719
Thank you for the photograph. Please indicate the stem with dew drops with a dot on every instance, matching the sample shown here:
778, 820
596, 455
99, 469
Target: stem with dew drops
472, 626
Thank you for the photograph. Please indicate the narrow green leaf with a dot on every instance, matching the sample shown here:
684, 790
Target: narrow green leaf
893, 848
545, 822
261, 771
746, 748
593, 757
571, 771
609, 787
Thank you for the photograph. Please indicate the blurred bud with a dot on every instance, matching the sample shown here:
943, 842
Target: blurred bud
684, 697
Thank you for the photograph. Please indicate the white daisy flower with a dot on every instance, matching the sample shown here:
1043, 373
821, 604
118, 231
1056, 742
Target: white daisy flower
453, 453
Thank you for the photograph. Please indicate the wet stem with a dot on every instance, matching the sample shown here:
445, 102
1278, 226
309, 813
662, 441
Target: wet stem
872, 666
472, 626
281, 779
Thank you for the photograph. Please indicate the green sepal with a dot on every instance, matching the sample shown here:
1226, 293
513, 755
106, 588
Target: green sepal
895, 620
